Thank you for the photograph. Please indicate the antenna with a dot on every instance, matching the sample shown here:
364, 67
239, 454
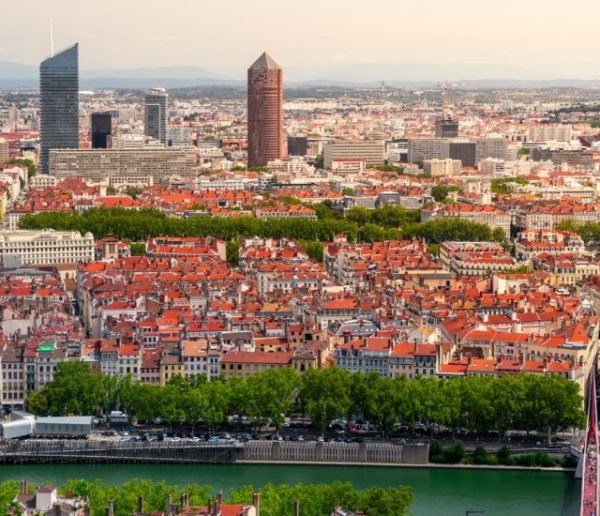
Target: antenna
51, 38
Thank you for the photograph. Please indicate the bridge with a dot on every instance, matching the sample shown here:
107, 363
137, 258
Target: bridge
589, 480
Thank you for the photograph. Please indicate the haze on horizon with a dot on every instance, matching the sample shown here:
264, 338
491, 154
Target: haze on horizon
314, 39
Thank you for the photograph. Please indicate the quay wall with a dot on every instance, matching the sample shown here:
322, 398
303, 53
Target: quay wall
59, 451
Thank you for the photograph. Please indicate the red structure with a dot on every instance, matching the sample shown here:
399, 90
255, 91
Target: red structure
265, 111
589, 481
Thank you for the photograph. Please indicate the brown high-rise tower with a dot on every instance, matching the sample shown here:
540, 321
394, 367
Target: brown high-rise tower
265, 111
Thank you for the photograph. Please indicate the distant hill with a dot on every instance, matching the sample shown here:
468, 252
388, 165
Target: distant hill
408, 75
20, 75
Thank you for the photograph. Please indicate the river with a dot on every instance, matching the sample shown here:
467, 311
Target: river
446, 492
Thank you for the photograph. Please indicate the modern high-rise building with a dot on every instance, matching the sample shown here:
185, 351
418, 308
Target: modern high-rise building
59, 101
297, 145
155, 114
101, 130
265, 112
446, 128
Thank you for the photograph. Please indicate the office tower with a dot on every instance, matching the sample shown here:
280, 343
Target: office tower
463, 150
372, 152
4, 154
420, 149
446, 128
101, 130
59, 101
297, 145
265, 111
155, 114
490, 148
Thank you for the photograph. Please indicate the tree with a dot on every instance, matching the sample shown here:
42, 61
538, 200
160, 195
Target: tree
498, 235
132, 192
325, 395
319, 161
233, 253
137, 248
215, 403
9, 489
348, 191
31, 170
440, 192
75, 389
271, 392
314, 249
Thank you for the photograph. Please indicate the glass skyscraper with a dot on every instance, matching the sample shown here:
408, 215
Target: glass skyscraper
59, 100
155, 114
101, 130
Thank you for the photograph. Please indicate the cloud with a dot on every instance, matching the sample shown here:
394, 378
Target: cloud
163, 38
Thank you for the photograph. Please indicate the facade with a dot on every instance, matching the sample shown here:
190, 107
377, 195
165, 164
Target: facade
463, 150
297, 145
98, 164
421, 149
101, 130
4, 155
446, 128
155, 114
441, 167
59, 104
475, 258
584, 158
490, 148
372, 152
550, 132
265, 111
468, 151
46, 247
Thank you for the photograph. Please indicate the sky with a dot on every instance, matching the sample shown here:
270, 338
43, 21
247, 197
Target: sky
312, 39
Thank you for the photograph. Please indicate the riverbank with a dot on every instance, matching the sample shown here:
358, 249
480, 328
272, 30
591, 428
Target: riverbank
455, 489
498, 467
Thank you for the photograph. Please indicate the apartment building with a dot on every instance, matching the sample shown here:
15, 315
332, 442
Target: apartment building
550, 132
475, 258
100, 164
46, 247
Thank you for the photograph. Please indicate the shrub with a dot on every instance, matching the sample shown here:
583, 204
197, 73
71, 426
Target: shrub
504, 455
480, 455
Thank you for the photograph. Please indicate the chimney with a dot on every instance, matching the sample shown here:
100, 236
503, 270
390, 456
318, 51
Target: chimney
109, 511
182, 503
256, 502
140, 504
296, 507
24, 487
56, 509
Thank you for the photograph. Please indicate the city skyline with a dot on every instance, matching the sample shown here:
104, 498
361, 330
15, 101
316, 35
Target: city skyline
390, 34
